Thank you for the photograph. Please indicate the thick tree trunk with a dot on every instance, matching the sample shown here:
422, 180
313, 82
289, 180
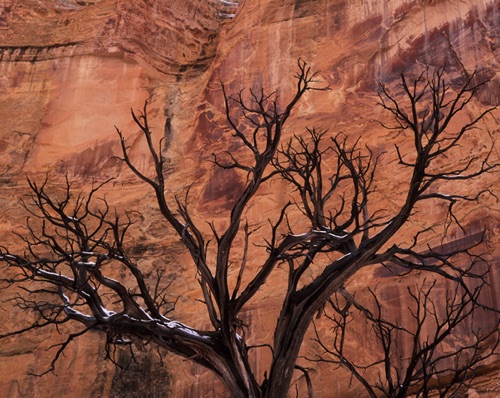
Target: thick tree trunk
231, 360
298, 311
288, 338
292, 326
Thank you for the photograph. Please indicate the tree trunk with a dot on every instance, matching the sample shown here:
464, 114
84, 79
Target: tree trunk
298, 311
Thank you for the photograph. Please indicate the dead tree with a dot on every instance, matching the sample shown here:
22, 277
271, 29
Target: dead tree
437, 349
73, 243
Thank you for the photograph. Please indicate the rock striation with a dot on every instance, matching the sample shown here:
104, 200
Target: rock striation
70, 70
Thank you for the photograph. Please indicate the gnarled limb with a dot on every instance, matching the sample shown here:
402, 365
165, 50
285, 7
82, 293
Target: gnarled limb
72, 244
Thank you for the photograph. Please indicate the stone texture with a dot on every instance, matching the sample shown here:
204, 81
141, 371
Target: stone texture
71, 70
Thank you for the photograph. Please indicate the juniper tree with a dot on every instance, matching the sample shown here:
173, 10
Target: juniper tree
74, 241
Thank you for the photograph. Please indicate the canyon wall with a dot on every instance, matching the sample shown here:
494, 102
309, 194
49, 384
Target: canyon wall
70, 71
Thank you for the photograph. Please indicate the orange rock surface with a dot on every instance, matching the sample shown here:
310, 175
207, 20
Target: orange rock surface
71, 70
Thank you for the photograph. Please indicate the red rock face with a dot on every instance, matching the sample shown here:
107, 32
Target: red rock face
71, 70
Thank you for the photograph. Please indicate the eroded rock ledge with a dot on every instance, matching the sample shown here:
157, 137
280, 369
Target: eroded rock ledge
176, 39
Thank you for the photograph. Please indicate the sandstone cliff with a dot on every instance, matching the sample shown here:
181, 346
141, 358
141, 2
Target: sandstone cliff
71, 70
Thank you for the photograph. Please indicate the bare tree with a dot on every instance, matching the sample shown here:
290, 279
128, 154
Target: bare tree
330, 225
438, 349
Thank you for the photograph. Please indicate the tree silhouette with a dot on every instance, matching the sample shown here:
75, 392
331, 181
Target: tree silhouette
74, 242
439, 348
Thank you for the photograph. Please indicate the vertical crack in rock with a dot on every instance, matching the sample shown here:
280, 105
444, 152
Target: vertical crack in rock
454, 54
226, 9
